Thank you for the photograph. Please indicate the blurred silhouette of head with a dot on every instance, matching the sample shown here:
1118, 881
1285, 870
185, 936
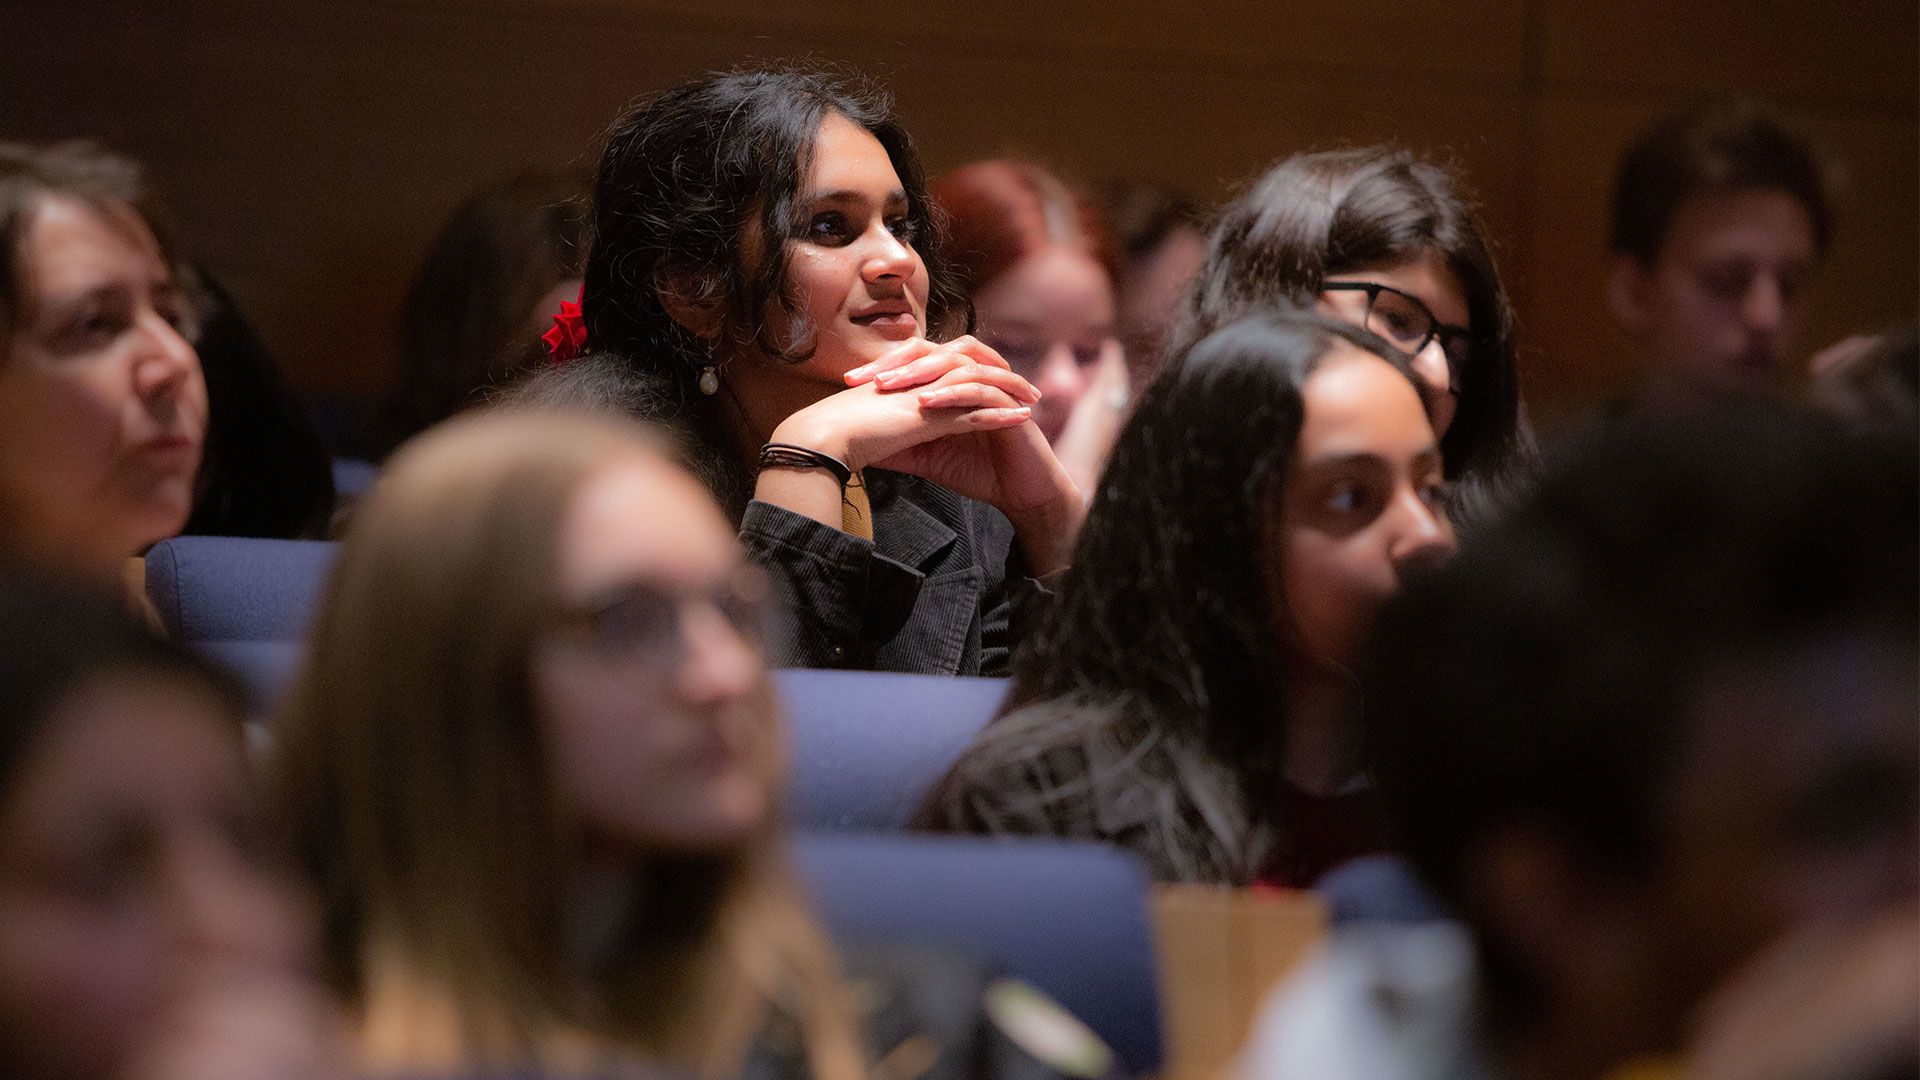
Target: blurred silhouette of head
487, 290
1660, 715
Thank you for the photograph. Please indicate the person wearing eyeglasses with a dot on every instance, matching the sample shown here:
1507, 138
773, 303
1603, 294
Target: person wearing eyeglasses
534, 764
1386, 240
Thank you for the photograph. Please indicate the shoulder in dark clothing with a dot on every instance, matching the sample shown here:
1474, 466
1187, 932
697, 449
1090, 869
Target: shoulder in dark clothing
940, 590
1079, 771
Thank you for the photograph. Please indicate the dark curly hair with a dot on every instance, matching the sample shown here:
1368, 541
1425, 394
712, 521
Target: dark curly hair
683, 178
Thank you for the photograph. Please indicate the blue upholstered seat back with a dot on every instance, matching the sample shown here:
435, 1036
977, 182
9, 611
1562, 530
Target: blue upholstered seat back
1070, 918
863, 747
223, 588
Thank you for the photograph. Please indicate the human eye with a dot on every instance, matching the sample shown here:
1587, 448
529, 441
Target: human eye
1350, 497
99, 323
903, 228
829, 228
91, 336
1023, 356
1402, 324
1399, 322
1726, 282
106, 870
637, 618
1790, 286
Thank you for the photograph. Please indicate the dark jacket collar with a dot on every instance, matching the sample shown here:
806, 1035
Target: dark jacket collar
913, 531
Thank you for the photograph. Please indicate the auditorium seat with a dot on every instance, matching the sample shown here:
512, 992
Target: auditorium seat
266, 667
223, 588
864, 746
1070, 918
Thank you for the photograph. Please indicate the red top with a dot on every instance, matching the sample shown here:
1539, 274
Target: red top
1319, 832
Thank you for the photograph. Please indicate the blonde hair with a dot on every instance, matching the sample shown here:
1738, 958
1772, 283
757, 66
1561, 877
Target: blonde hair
415, 769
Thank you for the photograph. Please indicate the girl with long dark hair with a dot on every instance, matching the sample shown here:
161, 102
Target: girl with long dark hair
766, 265
1190, 696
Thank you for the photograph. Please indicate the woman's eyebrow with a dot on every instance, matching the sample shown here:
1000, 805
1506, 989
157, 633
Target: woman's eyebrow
848, 195
1342, 459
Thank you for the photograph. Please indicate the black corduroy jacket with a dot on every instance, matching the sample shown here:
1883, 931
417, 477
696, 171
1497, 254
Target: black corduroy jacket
939, 590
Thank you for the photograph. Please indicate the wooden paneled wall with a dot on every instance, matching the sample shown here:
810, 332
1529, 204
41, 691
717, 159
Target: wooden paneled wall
310, 148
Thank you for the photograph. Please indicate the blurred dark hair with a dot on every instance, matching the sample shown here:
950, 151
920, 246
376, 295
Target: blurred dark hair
1000, 212
683, 178
1163, 620
56, 636
1720, 146
1338, 211
605, 383
1142, 214
1543, 678
265, 471
106, 183
464, 328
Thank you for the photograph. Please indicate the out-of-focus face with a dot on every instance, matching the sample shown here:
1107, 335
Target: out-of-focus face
652, 688
852, 269
1362, 505
1427, 279
1796, 805
132, 871
103, 410
1051, 316
1151, 289
1724, 300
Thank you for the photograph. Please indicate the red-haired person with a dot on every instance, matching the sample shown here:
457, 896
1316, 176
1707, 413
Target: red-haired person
1039, 266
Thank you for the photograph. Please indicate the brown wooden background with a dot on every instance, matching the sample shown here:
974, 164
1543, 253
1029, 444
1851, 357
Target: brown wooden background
311, 147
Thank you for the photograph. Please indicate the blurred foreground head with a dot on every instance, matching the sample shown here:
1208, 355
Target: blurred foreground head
534, 765
1661, 716
147, 927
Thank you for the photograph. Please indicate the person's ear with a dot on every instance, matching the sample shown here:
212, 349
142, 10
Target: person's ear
1629, 285
695, 299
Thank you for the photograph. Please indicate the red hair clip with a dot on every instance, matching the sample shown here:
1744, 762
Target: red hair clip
569, 333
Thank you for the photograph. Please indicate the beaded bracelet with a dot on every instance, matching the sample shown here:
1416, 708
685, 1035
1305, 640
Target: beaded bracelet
776, 455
